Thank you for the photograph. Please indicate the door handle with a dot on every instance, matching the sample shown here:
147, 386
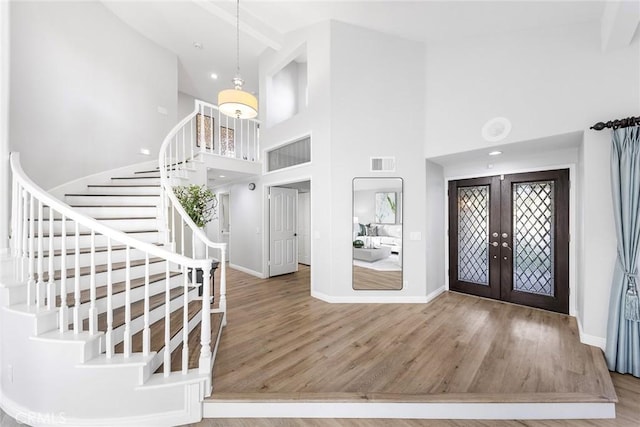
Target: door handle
506, 245
494, 244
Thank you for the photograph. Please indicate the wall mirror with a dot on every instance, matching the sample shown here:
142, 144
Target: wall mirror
377, 233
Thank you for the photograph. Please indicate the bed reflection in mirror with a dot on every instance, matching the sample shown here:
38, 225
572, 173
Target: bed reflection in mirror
377, 233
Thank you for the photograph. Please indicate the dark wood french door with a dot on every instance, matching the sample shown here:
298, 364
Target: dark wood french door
509, 238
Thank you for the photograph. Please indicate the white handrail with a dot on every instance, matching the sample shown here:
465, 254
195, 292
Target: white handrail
91, 223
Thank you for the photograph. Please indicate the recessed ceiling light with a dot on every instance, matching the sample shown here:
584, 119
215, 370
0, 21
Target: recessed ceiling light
495, 153
222, 176
214, 76
496, 129
197, 45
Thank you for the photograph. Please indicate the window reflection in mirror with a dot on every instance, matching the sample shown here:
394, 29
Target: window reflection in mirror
377, 233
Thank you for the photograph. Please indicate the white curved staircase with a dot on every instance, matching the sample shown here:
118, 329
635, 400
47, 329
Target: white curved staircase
101, 323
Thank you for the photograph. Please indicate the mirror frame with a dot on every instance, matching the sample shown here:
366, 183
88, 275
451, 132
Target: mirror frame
401, 218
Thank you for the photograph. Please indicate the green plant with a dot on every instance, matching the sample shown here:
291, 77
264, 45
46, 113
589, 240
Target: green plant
358, 244
198, 201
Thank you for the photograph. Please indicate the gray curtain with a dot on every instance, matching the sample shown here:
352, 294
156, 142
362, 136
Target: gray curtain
623, 330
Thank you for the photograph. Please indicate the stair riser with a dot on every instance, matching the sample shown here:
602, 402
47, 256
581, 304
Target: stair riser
138, 181
142, 191
85, 200
118, 211
118, 299
101, 258
127, 224
100, 240
117, 276
156, 314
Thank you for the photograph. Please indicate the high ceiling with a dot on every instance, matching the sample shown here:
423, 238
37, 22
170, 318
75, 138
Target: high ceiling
177, 25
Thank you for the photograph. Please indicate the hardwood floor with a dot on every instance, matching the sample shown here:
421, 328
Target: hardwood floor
369, 279
281, 341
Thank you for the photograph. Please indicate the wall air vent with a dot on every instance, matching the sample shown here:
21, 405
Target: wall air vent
383, 164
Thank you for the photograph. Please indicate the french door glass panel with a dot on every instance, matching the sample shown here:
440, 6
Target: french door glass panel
473, 234
533, 237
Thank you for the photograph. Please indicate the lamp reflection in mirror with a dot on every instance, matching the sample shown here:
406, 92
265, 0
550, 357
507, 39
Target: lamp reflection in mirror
377, 234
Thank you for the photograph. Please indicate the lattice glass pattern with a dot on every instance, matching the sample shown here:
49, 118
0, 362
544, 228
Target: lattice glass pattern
533, 217
473, 234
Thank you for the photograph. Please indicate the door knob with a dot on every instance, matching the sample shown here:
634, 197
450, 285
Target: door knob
505, 235
505, 245
494, 244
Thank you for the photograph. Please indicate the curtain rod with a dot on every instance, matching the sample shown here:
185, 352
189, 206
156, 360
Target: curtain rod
615, 124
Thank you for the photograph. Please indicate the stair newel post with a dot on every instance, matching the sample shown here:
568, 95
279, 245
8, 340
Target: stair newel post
109, 333
185, 319
127, 303
25, 237
204, 364
223, 283
146, 335
51, 284
167, 321
93, 312
77, 325
40, 283
64, 313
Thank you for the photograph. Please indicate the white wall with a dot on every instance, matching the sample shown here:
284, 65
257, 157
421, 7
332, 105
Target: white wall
4, 126
186, 105
547, 82
85, 90
435, 232
363, 66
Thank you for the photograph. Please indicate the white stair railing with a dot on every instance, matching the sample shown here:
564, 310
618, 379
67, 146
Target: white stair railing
203, 132
32, 205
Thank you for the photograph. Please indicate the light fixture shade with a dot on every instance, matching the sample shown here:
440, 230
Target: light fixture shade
238, 103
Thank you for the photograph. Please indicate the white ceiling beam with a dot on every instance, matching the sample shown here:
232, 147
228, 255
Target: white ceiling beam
249, 24
619, 23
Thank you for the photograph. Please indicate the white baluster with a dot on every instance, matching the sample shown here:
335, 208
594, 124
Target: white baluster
191, 138
167, 322
185, 320
258, 141
109, 333
182, 243
204, 364
93, 312
193, 240
77, 323
25, 237
200, 122
211, 149
127, 305
184, 154
51, 284
64, 309
40, 284
32, 262
14, 216
146, 332
173, 225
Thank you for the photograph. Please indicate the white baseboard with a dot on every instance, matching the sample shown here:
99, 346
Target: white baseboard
247, 270
376, 299
399, 410
590, 339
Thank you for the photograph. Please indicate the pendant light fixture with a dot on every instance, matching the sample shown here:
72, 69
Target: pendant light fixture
236, 102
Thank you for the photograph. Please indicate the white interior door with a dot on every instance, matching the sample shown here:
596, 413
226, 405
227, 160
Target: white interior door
304, 228
283, 213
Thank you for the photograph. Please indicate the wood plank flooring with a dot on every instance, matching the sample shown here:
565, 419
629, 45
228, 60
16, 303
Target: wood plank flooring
627, 415
282, 342
369, 279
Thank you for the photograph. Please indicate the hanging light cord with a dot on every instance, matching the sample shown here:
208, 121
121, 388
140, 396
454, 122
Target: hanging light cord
238, 38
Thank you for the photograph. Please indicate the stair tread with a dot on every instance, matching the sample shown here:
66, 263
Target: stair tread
157, 329
113, 206
137, 309
119, 287
106, 218
108, 195
100, 268
71, 251
124, 185
136, 177
88, 233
